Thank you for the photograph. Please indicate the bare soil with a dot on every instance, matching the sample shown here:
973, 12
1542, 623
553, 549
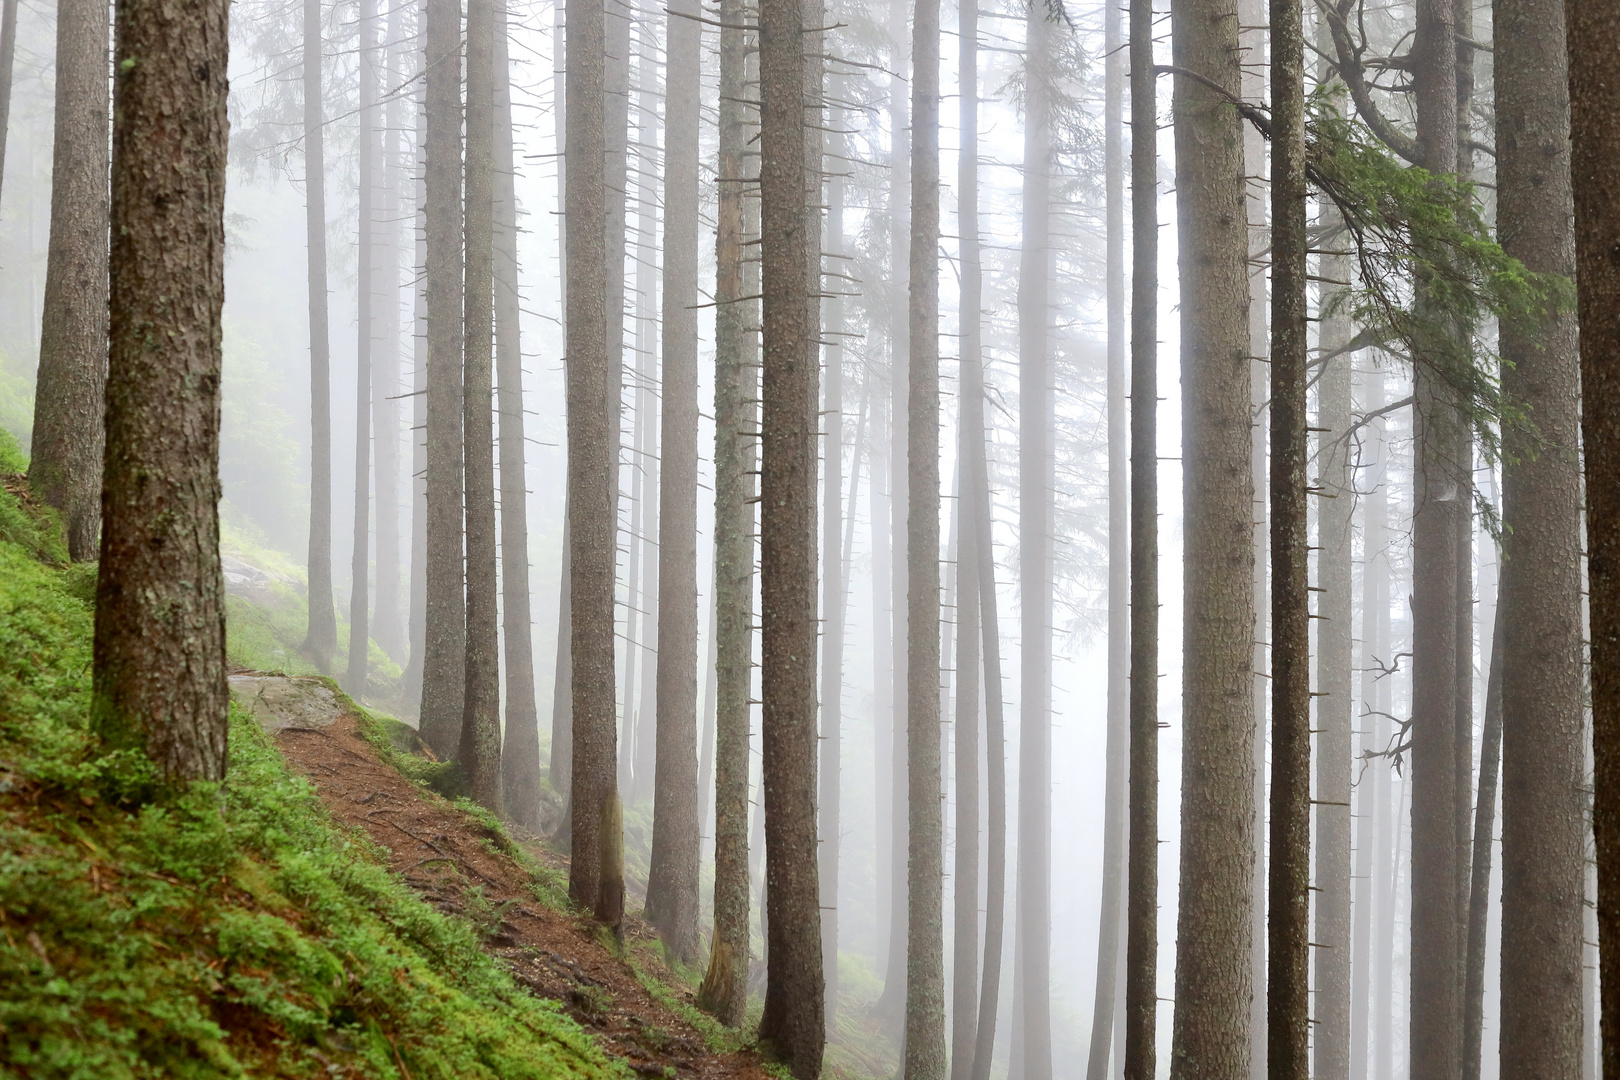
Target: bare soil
450, 858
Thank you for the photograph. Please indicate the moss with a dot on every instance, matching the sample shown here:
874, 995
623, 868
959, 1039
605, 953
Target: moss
223, 930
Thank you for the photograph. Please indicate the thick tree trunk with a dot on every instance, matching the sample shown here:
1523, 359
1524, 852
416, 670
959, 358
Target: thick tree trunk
1105, 1006
159, 677
793, 1020
736, 423
320, 641
1035, 484
1543, 759
480, 744
65, 466
1142, 858
354, 680
1211, 1030
445, 641
520, 746
925, 932
672, 886
592, 421
1436, 1032
562, 683
969, 580
834, 581
1288, 1004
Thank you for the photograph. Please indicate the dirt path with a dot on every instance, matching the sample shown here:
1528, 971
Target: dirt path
449, 858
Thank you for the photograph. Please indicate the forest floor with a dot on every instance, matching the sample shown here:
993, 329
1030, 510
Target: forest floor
509, 886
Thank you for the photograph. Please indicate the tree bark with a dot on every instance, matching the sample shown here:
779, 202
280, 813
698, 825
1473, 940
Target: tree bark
1377, 697
480, 744
793, 1020
1543, 757
445, 641
419, 366
64, 468
159, 652
1479, 901
387, 628
925, 864
562, 683
736, 422
321, 639
1035, 484
520, 747
8, 56
1288, 1005
672, 886
969, 581
1142, 865
592, 420
1211, 1029
1115, 796
354, 680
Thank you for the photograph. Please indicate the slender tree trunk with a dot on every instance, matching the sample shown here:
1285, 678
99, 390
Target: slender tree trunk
8, 56
1142, 867
387, 629
892, 1005
925, 934
419, 366
592, 420
736, 420
1479, 900
65, 465
1376, 696
1543, 759
1035, 484
1463, 749
793, 1020
1335, 463
1367, 770
321, 639
360, 551
1115, 796
672, 886
480, 753
1436, 1033
1211, 1031
160, 596
834, 587
1289, 910
445, 642
562, 683
520, 747
969, 564
882, 686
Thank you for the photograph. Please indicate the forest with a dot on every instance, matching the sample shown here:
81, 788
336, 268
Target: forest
1023, 540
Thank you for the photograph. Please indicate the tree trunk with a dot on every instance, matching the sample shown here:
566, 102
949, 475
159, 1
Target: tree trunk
562, 683
1109, 940
834, 586
672, 885
8, 56
1035, 484
445, 642
354, 680
480, 744
1543, 757
1288, 1005
321, 639
1479, 901
1335, 464
925, 933
387, 629
65, 466
1211, 1031
736, 421
160, 596
1142, 866
891, 1006
592, 420
793, 1020
1377, 698
1436, 1033
520, 747
969, 580
419, 366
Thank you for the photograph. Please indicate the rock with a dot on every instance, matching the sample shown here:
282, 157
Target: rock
282, 701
